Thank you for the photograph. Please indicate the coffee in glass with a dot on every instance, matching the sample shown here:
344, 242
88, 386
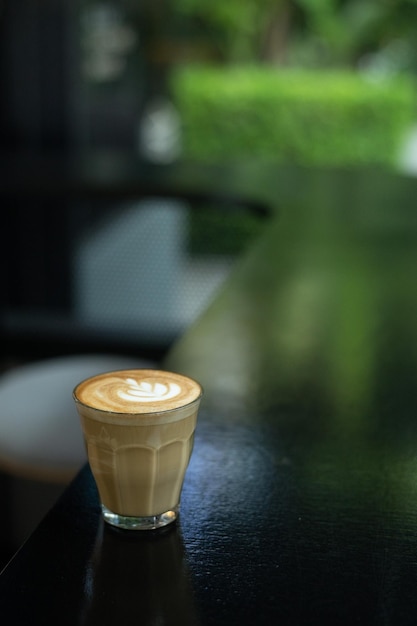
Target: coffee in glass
138, 428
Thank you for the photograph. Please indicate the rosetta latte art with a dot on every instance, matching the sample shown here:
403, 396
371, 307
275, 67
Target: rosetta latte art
137, 391
142, 391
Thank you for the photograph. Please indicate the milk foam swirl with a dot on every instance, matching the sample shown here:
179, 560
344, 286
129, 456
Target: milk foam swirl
148, 392
137, 391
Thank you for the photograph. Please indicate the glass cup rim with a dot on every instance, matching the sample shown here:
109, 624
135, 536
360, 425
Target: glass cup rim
136, 413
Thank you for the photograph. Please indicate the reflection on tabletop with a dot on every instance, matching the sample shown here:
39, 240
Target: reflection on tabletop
138, 579
319, 311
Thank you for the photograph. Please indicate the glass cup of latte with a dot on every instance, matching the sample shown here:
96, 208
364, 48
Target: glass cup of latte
138, 428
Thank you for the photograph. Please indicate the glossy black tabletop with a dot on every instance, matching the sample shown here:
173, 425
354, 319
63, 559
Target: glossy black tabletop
300, 501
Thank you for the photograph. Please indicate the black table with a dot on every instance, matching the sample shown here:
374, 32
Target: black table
300, 502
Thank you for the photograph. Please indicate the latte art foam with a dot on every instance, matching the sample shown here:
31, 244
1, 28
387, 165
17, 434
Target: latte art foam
148, 392
137, 391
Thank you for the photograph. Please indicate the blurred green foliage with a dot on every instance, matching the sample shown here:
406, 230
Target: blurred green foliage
381, 34
293, 116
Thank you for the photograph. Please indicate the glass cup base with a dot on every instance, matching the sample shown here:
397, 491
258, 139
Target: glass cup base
151, 522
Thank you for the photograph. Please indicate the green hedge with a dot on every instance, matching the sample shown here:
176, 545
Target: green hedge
301, 117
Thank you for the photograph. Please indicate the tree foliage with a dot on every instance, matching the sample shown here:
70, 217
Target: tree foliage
309, 32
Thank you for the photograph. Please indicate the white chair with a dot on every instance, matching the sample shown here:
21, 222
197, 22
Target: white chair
40, 433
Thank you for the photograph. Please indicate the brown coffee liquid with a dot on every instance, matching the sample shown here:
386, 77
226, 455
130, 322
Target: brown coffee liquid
139, 430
